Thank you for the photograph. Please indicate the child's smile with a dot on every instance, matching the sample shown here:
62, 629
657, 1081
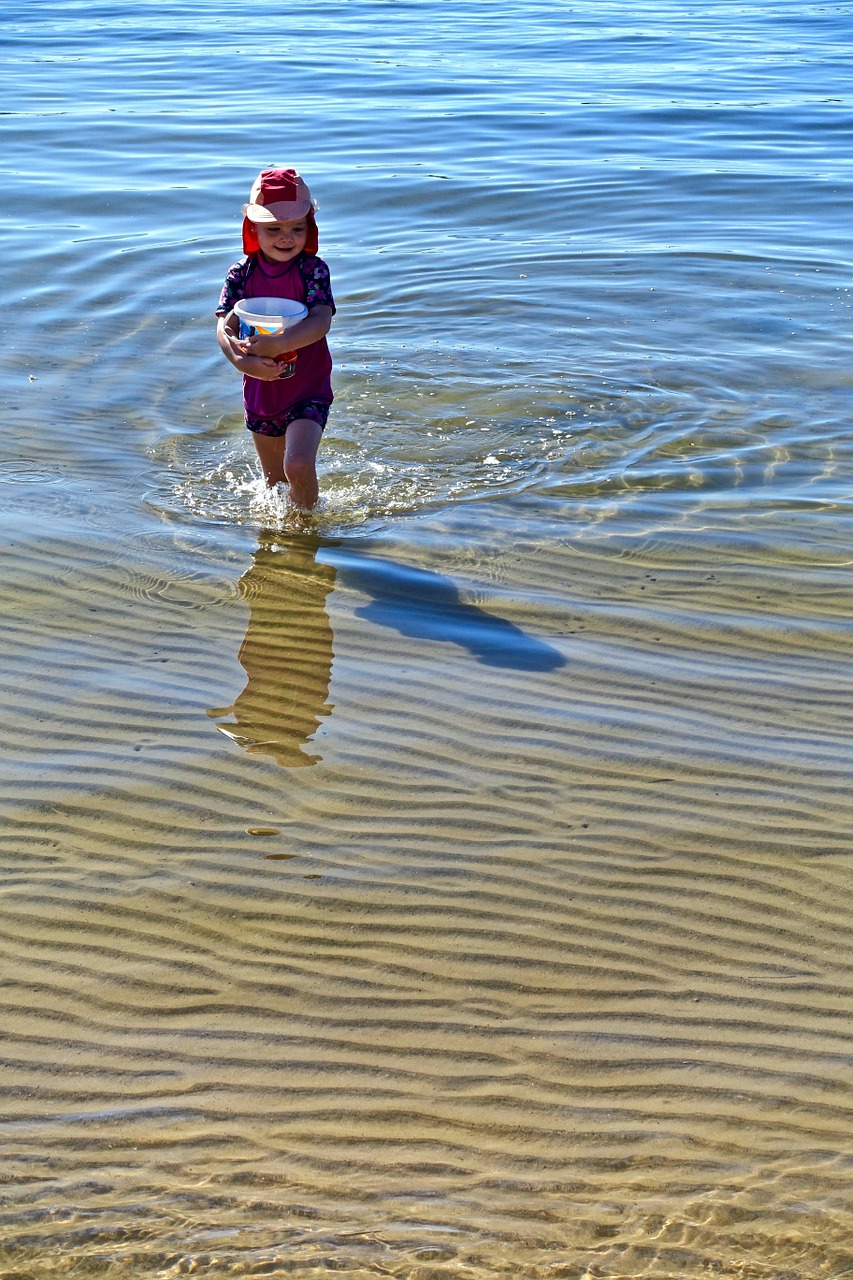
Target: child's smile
282, 241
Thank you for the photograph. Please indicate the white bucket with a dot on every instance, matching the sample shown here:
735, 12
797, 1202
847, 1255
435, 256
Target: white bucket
268, 315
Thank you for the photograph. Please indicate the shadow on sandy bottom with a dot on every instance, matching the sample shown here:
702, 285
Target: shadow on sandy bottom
428, 606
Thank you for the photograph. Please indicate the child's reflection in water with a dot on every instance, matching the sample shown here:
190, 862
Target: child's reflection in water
286, 654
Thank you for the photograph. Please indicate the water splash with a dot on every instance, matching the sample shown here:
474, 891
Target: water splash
370, 474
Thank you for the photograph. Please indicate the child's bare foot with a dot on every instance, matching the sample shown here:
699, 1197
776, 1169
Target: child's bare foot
305, 513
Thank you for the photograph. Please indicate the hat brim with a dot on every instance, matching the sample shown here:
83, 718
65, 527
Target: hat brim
281, 211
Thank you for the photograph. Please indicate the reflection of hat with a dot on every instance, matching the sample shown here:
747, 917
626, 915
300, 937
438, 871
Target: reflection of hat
278, 195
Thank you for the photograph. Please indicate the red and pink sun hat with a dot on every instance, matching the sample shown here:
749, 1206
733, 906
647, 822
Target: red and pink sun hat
278, 195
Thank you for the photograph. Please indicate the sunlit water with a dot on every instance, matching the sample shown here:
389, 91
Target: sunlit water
451, 882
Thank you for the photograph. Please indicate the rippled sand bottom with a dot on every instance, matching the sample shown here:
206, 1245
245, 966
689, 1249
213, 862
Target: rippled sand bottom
467, 902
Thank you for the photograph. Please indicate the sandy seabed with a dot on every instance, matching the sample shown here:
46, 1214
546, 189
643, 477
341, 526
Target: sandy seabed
456, 904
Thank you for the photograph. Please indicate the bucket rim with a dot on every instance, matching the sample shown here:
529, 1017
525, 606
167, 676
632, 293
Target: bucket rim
290, 307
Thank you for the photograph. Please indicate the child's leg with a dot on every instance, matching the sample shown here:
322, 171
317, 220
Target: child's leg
300, 460
270, 451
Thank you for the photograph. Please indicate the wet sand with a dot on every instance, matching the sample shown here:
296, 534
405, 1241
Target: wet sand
540, 965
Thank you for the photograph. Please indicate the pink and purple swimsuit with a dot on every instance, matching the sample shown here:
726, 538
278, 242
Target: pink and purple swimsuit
270, 406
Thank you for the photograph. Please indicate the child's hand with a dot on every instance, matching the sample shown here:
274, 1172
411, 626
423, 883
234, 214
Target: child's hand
236, 350
254, 366
266, 344
258, 367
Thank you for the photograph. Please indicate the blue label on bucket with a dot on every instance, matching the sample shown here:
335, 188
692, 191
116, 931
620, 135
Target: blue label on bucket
271, 326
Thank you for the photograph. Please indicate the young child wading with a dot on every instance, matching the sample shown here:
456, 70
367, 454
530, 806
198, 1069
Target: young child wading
286, 414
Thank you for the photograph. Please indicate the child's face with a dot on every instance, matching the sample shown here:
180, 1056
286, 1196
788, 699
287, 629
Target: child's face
282, 241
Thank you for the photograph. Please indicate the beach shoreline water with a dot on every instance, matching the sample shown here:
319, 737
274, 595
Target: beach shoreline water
450, 885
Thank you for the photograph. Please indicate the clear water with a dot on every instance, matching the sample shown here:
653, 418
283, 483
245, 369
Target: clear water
452, 883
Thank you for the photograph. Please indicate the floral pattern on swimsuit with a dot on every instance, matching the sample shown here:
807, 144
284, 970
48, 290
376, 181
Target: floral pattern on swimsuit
315, 277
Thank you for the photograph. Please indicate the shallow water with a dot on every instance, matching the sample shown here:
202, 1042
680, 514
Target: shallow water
453, 884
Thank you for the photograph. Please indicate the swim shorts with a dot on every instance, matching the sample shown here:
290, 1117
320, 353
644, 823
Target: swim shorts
315, 410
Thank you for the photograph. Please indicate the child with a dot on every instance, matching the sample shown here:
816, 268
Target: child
286, 414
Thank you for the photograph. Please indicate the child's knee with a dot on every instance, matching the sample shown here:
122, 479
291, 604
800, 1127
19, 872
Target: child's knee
299, 468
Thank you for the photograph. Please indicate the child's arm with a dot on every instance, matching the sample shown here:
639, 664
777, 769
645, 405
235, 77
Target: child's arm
315, 326
255, 365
